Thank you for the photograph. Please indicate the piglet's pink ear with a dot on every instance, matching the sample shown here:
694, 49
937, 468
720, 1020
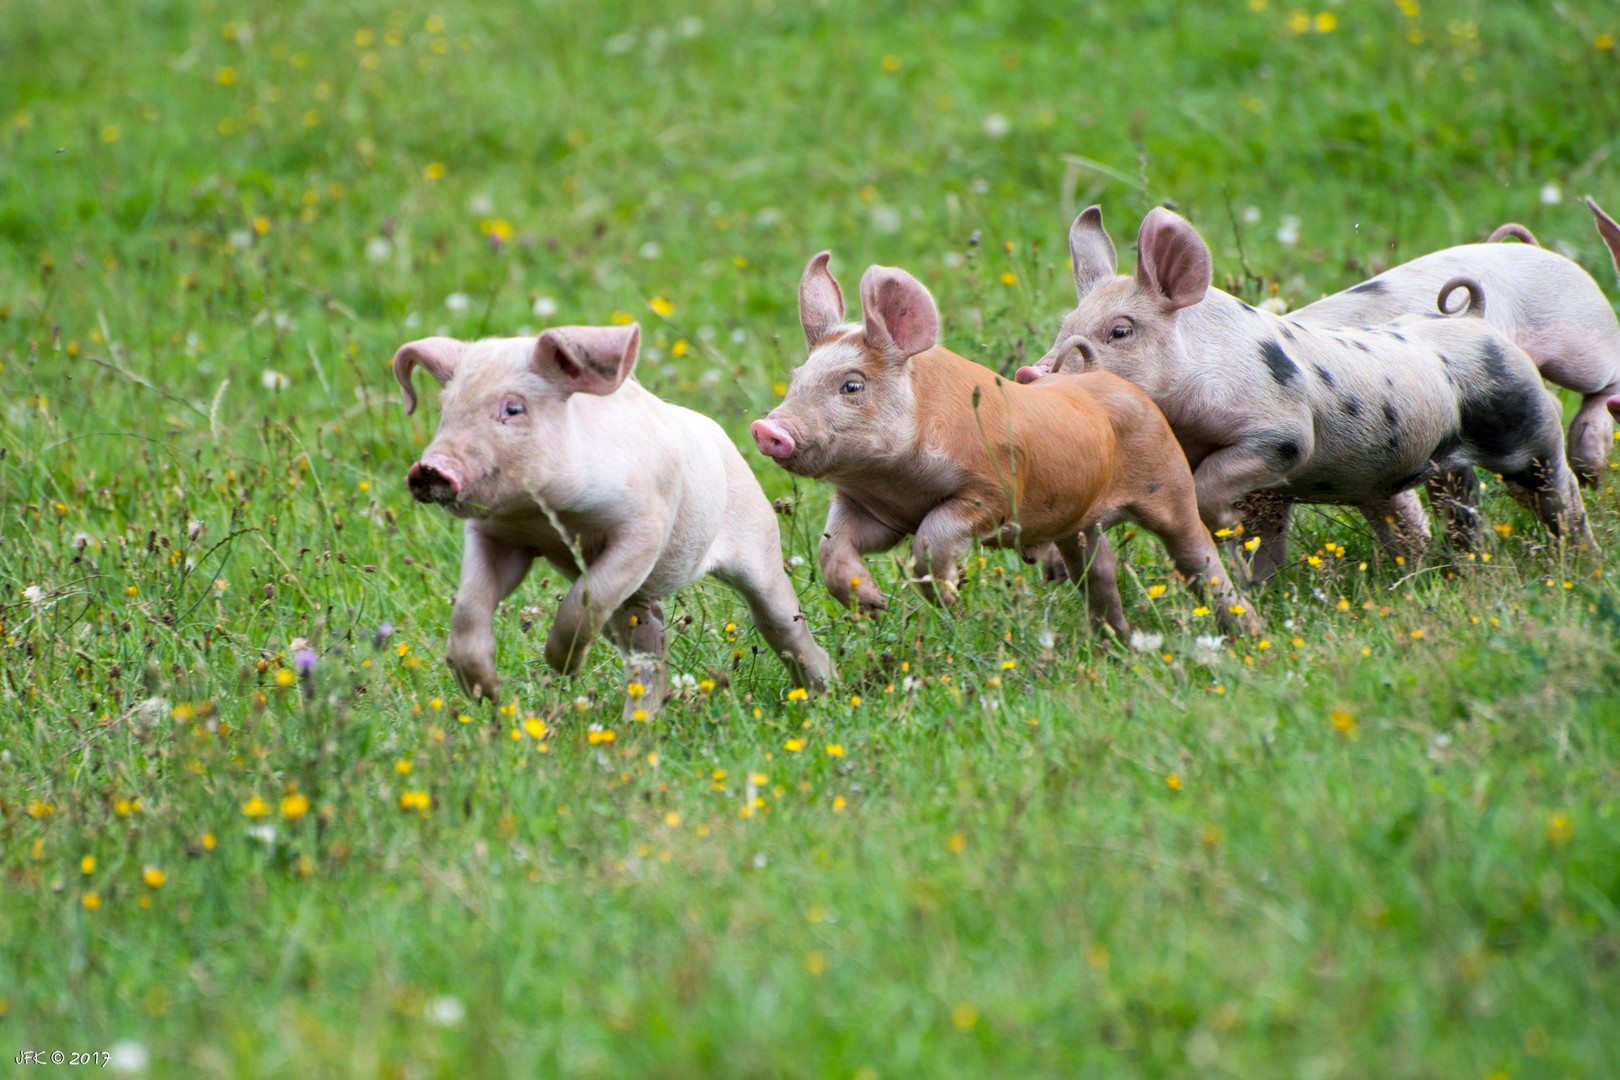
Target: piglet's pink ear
438, 355
1091, 251
900, 314
821, 302
587, 359
1172, 260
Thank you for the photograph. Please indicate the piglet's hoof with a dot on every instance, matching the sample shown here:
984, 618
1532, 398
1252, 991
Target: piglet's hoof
565, 655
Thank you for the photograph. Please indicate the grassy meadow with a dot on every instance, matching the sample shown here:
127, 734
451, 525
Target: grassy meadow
1383, 841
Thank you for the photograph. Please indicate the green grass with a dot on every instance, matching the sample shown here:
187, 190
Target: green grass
1384, 842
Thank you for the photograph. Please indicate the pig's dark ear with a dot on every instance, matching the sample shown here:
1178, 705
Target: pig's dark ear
821, 302
587, 359
1172, 260
900, 314
437, 354
1091, 251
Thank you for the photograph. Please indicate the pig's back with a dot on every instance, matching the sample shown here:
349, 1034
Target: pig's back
1544, 303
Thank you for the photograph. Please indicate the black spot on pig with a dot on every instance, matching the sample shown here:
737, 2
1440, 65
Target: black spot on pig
1324, 374
1374, 286
1362, 345
1494, 360
1396, 335
1246, 307
1390, 416
1282, 368
1501, 419
1280, 450
1350, 405
1287, 333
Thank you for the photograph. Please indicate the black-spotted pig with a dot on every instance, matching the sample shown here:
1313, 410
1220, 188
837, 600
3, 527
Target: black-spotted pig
1307, 413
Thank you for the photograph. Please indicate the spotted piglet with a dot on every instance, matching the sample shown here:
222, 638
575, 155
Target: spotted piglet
548, 449
1308, 413
921, 442
1546, 304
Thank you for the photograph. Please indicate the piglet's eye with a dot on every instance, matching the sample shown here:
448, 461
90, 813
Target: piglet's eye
515, 408
1123, 330
852, 386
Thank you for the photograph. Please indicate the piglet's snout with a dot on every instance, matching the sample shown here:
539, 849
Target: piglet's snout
433, 480
773, 439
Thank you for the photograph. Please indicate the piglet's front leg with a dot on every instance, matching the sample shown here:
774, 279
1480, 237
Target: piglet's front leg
850, 533
942, 539
490, 571
638, 630
1230, 473
596, 594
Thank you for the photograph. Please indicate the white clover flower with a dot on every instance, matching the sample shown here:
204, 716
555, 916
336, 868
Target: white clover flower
458, 302
33, 594
684, 681
1251, 215
739, 336
652, 249
82, 539
953, 259
1148, 642
1551, 194
1274, 304
1288, 233
264, 834
544, 307
481, 204
768, 218
979, 185
274, 380
241, 239
379, 249
885, 219
997, 126
689, 27
796, 561
445, 1011
1208, 648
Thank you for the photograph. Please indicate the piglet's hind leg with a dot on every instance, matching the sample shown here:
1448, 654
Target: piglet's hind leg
1090, 559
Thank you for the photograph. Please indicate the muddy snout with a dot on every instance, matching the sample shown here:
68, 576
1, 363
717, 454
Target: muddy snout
773, 439
433, 480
